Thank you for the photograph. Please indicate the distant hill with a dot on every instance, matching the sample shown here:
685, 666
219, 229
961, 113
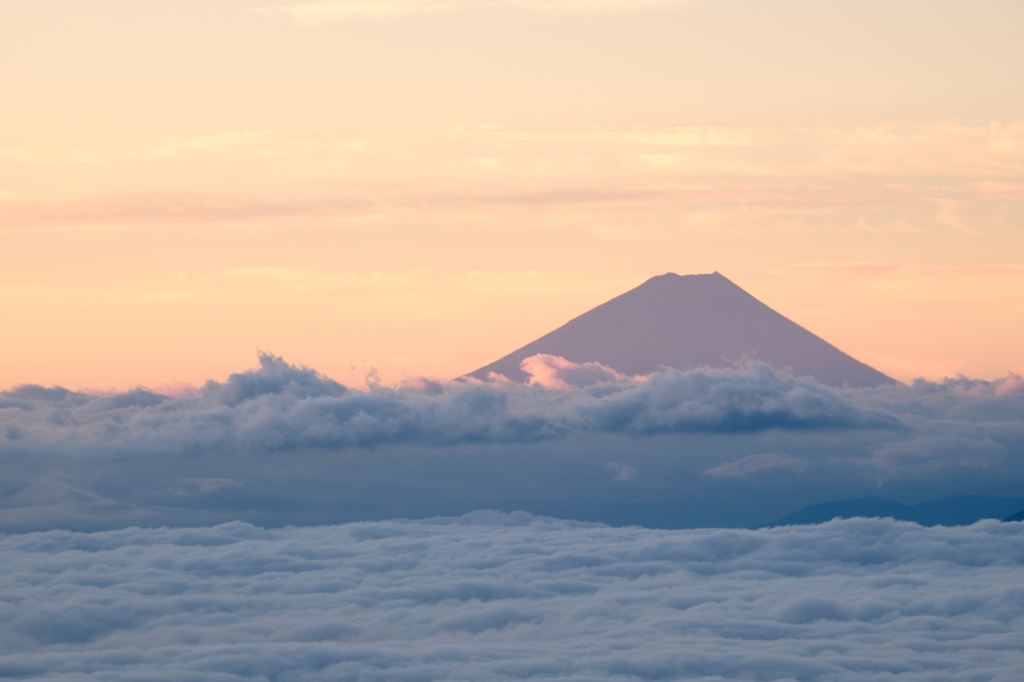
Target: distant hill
1019, 516
961, 510
689, 321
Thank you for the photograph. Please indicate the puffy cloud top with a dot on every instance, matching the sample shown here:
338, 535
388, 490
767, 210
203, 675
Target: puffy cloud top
282, 444
280, 406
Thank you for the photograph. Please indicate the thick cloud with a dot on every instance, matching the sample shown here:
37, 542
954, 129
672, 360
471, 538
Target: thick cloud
516, 597
284, 444
284, 407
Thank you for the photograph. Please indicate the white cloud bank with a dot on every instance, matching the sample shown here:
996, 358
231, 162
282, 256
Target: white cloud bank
285, 445
516, 597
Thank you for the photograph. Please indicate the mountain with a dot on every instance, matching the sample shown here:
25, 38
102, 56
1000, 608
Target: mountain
847, 509
1019, 516
961, 510
689, 321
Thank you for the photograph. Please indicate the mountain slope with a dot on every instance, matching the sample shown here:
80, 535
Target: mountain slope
1019, 516
689, 321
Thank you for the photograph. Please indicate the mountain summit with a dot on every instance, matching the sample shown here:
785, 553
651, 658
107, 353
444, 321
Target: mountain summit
689, 321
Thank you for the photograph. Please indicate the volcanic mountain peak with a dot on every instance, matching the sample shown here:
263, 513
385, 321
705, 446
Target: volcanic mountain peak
689, 321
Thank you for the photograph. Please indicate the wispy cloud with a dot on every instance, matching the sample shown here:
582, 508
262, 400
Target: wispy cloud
757, 464
639, 183
163, 208
335, 10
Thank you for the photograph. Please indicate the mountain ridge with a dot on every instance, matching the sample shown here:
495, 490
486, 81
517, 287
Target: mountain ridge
958, 510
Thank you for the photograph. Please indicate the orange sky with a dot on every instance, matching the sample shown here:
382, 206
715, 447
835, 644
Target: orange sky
422, 187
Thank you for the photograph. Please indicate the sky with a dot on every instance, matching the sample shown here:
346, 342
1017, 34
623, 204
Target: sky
422, 187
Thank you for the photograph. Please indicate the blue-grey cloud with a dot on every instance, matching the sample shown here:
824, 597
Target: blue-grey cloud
515, 597
755, 464
283, 444
280, 406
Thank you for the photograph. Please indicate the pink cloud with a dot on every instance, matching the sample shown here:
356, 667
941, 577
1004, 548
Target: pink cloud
556, 373
1009, 385
174, 389
422, 384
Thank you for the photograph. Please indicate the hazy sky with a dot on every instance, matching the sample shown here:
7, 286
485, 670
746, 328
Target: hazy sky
423, 186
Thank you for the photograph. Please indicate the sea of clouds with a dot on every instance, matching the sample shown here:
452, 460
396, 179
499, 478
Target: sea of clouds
283, 444
214, 549
492, 596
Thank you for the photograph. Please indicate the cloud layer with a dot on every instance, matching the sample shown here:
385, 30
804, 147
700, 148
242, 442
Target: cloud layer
516, 597
281, 407
286, 445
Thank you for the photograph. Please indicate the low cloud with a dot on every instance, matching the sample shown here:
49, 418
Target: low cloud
283, 444
283, 407
921, 456
623, 472
493, 596
756, 464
